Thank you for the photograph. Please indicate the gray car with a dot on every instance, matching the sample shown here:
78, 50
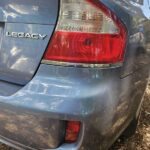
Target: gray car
72, 72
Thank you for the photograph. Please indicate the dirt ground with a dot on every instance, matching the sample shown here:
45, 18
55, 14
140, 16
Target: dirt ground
140, 141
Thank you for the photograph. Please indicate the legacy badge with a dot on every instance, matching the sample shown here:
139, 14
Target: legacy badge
35, 36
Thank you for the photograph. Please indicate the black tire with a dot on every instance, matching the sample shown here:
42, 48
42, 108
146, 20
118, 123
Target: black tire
131, 129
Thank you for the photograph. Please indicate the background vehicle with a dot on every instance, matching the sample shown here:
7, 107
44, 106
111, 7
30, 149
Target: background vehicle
72, 72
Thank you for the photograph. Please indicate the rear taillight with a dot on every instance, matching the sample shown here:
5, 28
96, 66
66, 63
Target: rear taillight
87, 32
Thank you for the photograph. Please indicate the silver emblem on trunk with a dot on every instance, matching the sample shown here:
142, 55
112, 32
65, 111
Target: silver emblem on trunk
34, 36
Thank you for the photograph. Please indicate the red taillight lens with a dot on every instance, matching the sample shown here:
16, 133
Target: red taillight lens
72, 131
85, 48
87, 32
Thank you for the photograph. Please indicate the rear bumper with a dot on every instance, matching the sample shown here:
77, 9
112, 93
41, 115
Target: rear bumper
98, 98
30, 129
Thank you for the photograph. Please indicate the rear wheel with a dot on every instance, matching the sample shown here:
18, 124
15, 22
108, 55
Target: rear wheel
131, 129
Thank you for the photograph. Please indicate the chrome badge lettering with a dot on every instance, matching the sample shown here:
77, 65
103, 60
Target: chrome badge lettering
34, 36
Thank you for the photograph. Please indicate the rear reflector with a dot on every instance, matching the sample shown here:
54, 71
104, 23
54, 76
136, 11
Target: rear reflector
72, 131
87, 32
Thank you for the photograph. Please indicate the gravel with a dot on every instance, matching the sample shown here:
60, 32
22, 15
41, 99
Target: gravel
140, 141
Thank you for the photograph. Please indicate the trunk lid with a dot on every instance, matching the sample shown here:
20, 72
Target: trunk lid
25, 30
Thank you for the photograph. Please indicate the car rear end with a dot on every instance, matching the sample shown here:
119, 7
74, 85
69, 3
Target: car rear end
71, 74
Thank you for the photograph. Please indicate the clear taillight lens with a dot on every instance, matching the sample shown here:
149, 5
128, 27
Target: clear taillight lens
87, 32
